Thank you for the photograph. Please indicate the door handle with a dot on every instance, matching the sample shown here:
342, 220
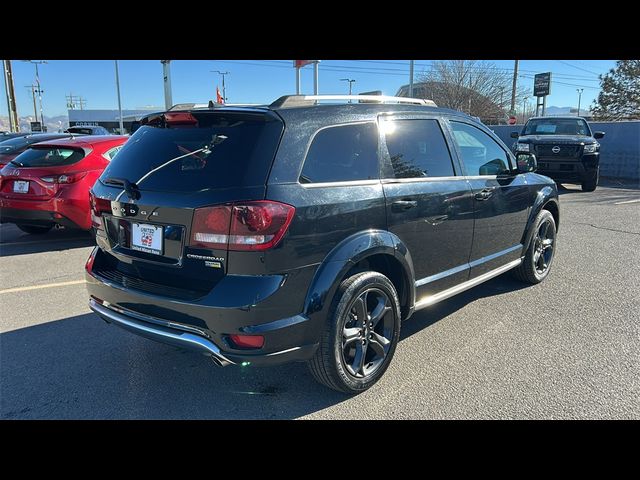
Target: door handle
484, 194
404, 204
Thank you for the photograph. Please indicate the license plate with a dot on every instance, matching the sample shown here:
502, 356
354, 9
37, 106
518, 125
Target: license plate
20, 186
146, 238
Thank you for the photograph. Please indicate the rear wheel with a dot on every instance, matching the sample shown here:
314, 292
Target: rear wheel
590, 182
537, 261
361, 334
34, 230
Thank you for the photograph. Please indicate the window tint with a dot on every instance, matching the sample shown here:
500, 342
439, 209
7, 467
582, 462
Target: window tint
342, 153
227, 149
112, 153
49, 157
481, 154
417, 149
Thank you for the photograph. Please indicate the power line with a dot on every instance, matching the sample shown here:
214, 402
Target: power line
579, 68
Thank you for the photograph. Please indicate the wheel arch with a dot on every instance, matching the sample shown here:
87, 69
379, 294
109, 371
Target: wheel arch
546, 199
375, 250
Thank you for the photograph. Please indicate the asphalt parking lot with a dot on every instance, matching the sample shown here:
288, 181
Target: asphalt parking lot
567, 348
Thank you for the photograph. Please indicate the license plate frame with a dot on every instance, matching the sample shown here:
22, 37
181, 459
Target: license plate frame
147, 238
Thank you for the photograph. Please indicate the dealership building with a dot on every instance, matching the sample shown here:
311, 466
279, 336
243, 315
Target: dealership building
109, 119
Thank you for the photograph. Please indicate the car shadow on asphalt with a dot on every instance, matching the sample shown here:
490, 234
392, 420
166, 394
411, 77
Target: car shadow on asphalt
82, 368
55, 240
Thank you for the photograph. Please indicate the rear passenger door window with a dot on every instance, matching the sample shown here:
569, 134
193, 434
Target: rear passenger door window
480, 153
341, 154
417, 148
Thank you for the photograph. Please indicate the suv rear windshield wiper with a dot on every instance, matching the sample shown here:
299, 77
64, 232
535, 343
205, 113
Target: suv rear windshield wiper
15, 162
130, 188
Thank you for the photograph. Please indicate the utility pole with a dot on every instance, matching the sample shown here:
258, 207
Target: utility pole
14, 123
351, 81
224, 86
166, 73
119, 103
40, 91
33, 95
411, 62
513, 88
524, 108
579, 90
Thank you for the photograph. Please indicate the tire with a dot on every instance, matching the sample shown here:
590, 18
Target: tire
34, 230
336, 364
537, 261
590, 182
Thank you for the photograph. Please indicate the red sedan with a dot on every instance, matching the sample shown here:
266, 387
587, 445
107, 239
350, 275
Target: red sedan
49, 183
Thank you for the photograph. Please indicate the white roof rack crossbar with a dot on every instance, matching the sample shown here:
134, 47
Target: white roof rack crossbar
307, 100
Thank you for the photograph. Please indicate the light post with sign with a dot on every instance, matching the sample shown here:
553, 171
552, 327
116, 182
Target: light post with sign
541, 88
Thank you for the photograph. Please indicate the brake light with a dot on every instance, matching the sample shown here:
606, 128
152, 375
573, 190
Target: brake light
65, 178
180, 118
98, 207
246, 226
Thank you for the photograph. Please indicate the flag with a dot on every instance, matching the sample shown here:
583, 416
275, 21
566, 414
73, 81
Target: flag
219, 98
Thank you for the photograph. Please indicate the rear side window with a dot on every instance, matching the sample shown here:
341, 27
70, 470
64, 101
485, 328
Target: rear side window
49, 157
417, 149
342, 153
224, 150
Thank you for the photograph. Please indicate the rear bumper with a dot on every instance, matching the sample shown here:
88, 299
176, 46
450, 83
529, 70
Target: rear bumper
288, 334
57, 210
35, 217
181, 336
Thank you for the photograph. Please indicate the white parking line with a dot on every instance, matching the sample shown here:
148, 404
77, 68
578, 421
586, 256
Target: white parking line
37, 287
628, 201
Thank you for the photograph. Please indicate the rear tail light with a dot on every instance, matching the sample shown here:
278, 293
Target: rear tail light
98, 207
65, 178
247, 341
252, 226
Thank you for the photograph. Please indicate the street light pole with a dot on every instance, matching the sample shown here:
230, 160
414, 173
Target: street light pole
224, 87
411, 64
350, 80
166, 76
119, 103
33, 95
579, 90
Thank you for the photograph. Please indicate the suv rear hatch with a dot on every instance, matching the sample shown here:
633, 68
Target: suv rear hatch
181, 170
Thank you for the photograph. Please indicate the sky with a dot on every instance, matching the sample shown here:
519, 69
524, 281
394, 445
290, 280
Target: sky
259, 81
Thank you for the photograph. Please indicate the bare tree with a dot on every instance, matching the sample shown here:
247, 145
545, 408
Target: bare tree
476, 87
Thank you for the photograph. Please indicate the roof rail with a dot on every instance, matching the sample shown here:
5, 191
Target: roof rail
291, 101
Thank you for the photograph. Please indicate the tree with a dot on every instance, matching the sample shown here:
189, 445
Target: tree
476, 87
619, 97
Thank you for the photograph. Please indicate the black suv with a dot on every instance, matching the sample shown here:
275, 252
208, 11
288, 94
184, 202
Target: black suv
566, 149
307, 232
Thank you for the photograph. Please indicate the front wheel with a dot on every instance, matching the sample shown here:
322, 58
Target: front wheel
34, 229
537, 261
360, 336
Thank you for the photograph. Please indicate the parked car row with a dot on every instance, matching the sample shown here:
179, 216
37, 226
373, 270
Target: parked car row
45, 178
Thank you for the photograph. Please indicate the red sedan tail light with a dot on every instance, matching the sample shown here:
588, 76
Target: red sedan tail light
246, 226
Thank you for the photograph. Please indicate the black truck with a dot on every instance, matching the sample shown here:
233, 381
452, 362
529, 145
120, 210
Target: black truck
566, 149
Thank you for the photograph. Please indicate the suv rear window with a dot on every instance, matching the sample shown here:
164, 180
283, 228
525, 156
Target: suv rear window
241, 149
343, 153
49, 157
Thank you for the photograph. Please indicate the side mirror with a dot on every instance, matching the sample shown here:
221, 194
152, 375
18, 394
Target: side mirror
527, 162
515, 134
597, 135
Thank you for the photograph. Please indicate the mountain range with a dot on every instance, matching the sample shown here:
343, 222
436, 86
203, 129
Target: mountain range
53, 124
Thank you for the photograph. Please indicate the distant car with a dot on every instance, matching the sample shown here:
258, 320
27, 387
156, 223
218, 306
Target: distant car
10, 149
49, 183
88, 130
565, 147
4, 136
